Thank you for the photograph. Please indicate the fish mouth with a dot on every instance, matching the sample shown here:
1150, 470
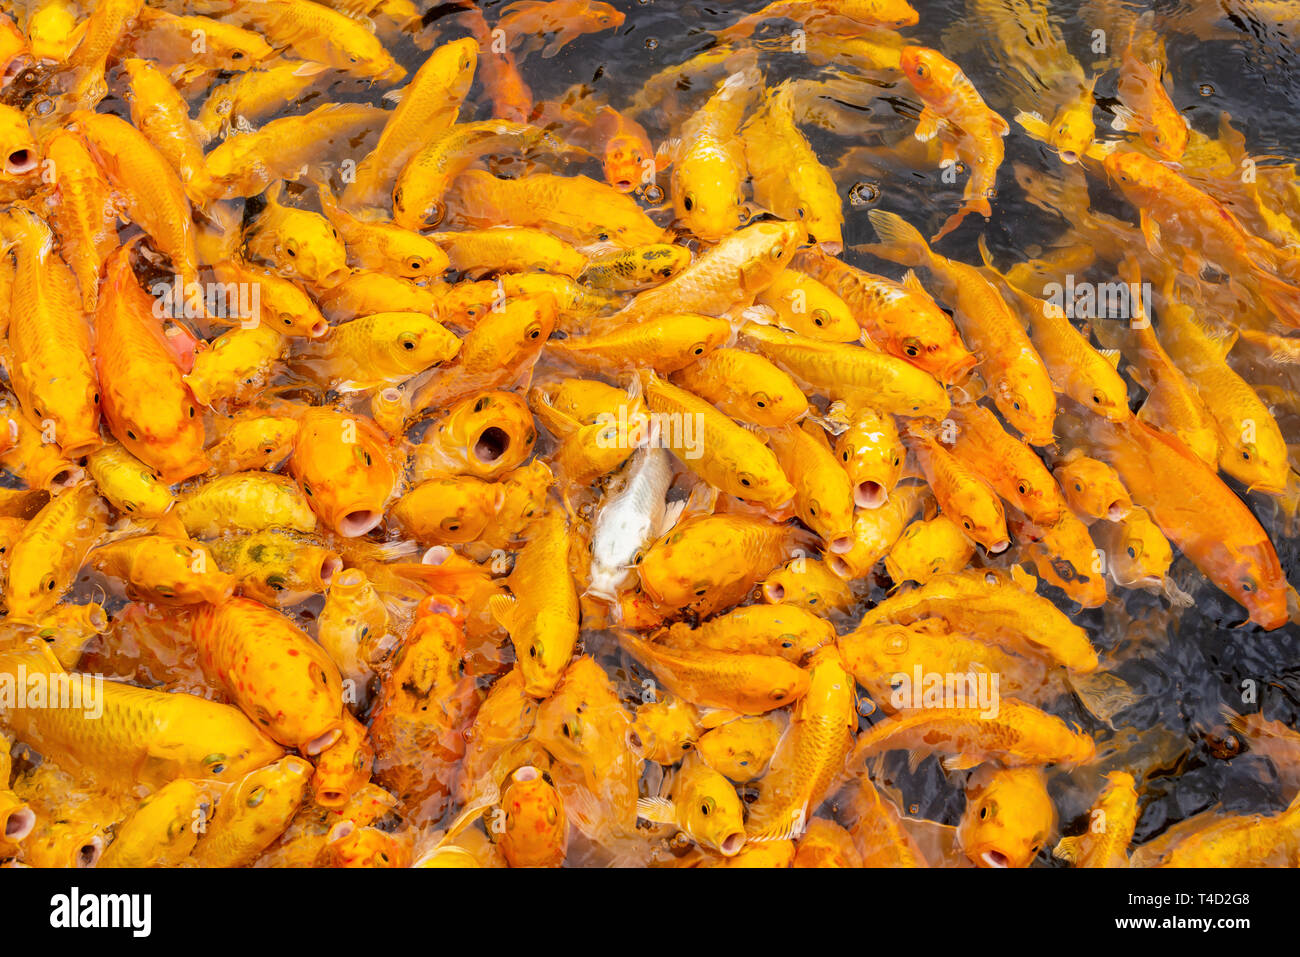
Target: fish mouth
318, 329
840, 567
869, 495
64, 479
436, 555
997, 548
841, 544
330, 566
731, 844
359, 521
774, 593
19, 823
624, 185
20, 162
89, 853
1116, 511
331, 797
492, 443
335, 276
525, 774
830, 248
322, 741
76, 450
1069, 156
995, 859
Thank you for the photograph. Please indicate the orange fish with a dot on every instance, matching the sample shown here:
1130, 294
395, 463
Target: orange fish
276, 674
342, 463
161, 426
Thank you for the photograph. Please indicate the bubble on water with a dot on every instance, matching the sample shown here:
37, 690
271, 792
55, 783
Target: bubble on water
652, 193
1205, 89
864, 194
651, 43
866, 707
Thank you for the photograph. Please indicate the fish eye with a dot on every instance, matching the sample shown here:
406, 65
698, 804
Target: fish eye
1078, 487
237, 55
291, 249
706, 806
984, 813
130, 435
911, 348
533, 332
688, 202
897, 460
965, 523
846, 455
777, 253
1247, 585
286, 319
1098, 398
1245, 455
820, 317
1132, 552
800, 212
779, 694
566, 730
1023, 488
1016, 406
697, 349
256, 796
532, 653
761, 399
407, 340
416, 265
922, 70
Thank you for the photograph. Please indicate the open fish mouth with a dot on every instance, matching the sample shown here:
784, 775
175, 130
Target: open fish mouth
995, 859
491, 444
21, 162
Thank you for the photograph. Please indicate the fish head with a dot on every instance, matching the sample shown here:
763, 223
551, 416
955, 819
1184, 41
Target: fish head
931, 73
341, 769
885, 13
713, 813
536, 826
1094, 489
1009, 816
19, 156
1073, 129
666, 730
494, 431
625, 161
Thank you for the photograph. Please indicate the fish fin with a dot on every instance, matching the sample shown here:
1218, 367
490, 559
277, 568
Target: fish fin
394, 96
1111, 356
1034, 125
927, 126
658, 810
672, 514
1024, 579
1000, 126
912, 283
987, 257
1105, 694
502, 608
666, 152
1125, 119
779, 830
914, 758
902, 242
960, 762
307, 68
1069, 849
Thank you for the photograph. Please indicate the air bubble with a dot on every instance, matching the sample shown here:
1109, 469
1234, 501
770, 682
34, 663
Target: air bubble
651, 43
1205, 89
864, 194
